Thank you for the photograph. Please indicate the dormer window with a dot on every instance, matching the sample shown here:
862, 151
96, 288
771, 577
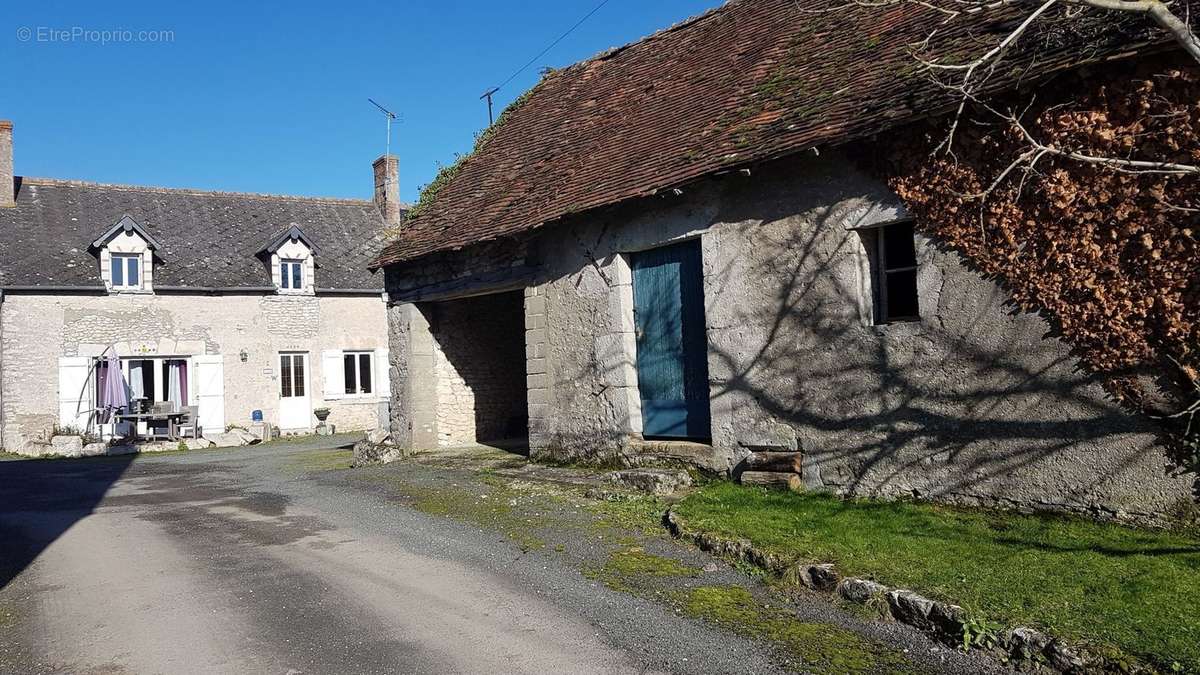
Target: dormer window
125, 271
126, 251
291, 275
291, 259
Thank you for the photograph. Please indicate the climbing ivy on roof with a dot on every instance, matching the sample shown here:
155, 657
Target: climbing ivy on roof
447, 172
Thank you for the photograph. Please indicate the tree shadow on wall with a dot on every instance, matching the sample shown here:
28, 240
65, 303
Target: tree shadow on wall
969, 395
40, 499
976, 401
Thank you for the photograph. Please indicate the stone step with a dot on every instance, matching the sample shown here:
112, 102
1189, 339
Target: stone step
678, 453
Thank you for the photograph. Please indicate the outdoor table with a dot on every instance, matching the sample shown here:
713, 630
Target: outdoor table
170, 417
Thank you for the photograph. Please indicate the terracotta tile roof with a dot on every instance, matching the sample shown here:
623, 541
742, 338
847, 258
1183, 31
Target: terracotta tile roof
750, 81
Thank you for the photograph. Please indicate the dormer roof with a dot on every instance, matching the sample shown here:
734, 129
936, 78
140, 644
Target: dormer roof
127, 224
290, 233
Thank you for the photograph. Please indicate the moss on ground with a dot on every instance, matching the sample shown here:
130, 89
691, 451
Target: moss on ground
640, 514
8, 617
608, 540
490, 505
1102, 584
817, 646
312, 461
632, 569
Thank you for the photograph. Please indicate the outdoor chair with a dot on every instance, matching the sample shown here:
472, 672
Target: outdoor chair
188, 424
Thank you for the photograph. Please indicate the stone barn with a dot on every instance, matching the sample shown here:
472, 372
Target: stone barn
663, 253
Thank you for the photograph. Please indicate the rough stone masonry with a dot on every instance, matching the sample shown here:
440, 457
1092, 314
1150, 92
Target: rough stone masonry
972, 403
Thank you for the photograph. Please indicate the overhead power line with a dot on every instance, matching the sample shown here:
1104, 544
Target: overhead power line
542, 53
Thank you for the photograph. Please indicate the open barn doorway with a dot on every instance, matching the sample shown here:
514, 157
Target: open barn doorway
479, 365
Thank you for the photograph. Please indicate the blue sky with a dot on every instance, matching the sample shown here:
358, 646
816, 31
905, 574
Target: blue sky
265, 97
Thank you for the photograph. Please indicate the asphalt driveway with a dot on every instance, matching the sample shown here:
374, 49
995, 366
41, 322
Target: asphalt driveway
276, 559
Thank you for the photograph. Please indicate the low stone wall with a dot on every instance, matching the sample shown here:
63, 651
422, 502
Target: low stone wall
75, 447
946, 622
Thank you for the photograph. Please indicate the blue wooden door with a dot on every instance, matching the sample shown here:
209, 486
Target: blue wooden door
672, 359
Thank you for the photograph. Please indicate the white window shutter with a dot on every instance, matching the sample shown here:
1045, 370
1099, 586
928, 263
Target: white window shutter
332, 368
383, 377
74, 392
210, 391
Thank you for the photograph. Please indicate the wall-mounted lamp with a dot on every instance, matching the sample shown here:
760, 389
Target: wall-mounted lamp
243, 356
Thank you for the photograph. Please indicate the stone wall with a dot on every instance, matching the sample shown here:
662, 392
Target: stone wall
479, 365
974, 403
38, 329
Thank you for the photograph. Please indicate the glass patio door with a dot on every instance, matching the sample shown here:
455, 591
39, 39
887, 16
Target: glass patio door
295, 407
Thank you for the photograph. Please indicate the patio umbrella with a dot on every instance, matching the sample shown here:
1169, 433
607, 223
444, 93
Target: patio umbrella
112, 389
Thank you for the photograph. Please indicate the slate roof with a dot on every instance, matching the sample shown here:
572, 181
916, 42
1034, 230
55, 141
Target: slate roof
208, 239
750, 81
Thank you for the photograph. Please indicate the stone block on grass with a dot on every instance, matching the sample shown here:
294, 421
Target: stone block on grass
658, 482
911, 608
860, 590
66, 446
819, 577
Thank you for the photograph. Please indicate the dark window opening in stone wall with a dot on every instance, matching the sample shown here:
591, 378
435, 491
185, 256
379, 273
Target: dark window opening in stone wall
893, 258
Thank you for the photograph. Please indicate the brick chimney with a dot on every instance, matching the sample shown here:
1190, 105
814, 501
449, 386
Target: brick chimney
7, 186
387, 188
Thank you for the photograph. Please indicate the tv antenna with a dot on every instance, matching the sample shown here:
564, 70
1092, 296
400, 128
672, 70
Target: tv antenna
391, 116
387, 146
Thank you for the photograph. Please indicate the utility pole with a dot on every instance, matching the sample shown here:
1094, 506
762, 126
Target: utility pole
488, 95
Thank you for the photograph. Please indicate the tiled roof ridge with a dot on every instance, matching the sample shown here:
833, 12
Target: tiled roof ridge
31, 180
612, 52
747, 82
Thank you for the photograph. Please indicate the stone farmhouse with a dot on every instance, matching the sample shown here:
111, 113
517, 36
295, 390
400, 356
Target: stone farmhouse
665, 252
227, 302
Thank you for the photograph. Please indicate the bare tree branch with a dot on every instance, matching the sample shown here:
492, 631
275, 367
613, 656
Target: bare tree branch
1179, 30
1123, 165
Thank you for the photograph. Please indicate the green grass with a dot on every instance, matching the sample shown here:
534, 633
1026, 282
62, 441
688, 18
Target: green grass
821, 647
1108, 585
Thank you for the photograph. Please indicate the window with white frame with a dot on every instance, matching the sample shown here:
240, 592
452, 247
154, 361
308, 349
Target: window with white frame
291, 275
125, 271
357, 370
894, 265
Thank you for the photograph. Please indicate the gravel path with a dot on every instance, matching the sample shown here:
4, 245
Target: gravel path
278, 559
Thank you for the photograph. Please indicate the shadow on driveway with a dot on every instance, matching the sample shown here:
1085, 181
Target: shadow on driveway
41, 499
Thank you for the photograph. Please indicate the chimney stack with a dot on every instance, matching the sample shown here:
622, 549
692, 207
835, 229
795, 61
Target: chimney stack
387, 188
7, 185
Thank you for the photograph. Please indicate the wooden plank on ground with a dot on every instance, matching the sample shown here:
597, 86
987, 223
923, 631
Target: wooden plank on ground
786, 462
773, 479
